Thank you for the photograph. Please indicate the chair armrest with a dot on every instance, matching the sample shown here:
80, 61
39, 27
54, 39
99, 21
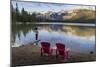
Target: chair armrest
67, 49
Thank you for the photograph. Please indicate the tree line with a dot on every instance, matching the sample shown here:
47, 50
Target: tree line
22, 16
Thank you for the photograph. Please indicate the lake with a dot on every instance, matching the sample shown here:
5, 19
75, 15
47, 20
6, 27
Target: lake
76, 37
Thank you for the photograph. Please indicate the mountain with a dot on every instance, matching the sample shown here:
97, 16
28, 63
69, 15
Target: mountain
80, 15
75, 15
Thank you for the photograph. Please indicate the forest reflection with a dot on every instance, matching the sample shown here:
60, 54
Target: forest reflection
19, 31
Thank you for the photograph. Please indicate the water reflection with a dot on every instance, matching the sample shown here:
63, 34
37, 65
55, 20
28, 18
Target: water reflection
72, 35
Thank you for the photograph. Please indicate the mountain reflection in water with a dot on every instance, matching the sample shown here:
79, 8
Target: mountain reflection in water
84, 35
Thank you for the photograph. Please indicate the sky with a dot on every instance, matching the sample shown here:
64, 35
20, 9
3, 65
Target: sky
44, 7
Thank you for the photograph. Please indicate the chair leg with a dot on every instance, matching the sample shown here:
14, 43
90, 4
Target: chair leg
49, 56
66, 56
41, 52
56, 54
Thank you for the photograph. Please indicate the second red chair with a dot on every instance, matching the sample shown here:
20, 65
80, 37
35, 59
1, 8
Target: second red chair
60, 51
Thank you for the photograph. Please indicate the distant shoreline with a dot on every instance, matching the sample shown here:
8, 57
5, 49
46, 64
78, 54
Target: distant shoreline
51, 23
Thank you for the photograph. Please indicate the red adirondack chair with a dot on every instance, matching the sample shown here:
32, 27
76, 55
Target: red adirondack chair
61, 51
45, 49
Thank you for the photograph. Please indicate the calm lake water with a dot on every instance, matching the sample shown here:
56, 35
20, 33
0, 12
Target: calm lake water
76, 38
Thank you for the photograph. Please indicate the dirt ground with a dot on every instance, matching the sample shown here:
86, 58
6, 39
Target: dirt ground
30, 55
